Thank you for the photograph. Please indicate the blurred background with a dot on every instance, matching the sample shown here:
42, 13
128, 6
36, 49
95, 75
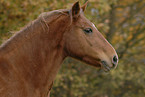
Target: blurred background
122, 22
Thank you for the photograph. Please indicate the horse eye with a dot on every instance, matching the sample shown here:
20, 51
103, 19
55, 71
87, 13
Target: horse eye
88, 30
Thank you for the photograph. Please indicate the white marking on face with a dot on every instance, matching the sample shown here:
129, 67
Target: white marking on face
94, 26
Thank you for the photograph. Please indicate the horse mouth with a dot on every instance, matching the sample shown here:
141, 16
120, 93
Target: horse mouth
105, 66
97, 63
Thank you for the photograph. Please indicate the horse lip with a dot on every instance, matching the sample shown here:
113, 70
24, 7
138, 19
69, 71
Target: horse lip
105, 66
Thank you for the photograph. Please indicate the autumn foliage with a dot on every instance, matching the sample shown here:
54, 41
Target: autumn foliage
122, 22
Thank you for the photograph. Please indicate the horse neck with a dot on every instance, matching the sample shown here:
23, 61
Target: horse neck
36, 55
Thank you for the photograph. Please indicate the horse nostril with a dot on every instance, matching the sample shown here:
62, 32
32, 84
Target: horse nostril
115, 59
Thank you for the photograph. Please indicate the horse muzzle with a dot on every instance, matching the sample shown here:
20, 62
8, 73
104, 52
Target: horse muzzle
106, 67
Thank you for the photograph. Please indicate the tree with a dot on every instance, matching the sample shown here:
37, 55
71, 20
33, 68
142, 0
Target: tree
120, 21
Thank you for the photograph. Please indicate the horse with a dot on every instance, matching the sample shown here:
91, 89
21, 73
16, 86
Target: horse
30, 59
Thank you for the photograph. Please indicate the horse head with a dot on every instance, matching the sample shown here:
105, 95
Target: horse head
84, 42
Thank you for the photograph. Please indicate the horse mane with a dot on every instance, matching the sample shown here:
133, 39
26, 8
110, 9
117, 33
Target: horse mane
48, 17
39, 25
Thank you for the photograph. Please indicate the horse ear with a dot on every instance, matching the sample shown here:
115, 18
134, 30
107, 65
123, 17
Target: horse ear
75, 9
84, 6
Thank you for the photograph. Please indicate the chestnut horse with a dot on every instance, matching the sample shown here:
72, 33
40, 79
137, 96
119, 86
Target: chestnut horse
30, 60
